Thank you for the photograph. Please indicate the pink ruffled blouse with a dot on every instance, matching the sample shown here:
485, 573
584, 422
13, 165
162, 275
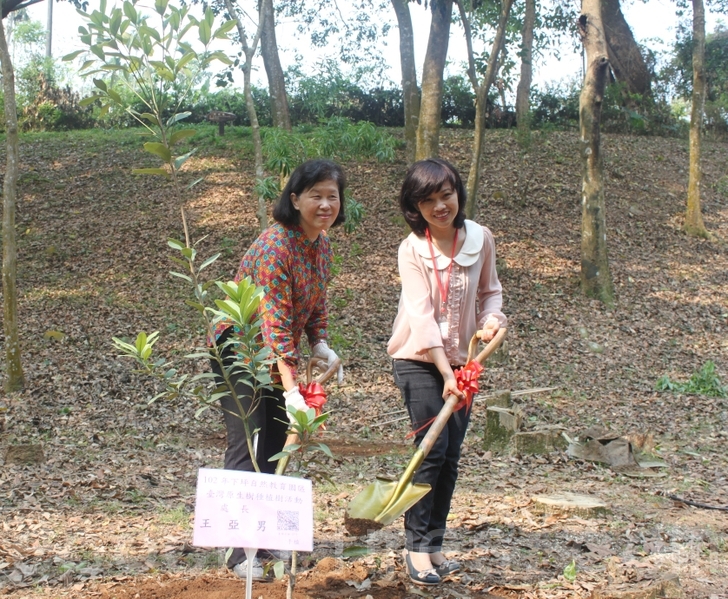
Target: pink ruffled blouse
474, 295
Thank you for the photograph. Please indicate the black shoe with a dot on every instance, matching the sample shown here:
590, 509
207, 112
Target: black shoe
449, 566
426, 578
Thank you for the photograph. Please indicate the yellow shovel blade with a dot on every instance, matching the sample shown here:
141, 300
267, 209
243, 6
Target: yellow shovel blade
370, 502
410, 495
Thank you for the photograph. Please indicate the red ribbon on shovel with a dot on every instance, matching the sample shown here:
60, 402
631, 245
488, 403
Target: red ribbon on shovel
314, 396
467, 380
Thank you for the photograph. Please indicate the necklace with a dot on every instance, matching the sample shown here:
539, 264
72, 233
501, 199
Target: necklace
444, 287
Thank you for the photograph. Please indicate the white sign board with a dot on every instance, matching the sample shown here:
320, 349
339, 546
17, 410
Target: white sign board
248, 509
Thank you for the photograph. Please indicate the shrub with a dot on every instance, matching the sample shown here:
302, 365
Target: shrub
54, 108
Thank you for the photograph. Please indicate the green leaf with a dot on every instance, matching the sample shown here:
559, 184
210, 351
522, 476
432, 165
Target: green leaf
115, 21
89, 100
325, 449
205, 32
222, 57
177, 117
72, 55
174, 20
224, 29
175, 244
130, 12
181, 276
570, 571
148, 116
195, 182
161, 6
187, 57
150, 32
101, 84
278, 569
180, 135
180, 160
158, 149
149, 171
209, 261
115, 96
98, 50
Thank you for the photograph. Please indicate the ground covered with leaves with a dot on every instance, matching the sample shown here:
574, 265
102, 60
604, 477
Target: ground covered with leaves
107, 512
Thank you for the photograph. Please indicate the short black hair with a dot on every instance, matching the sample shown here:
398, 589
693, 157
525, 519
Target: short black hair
305, 177
423, 179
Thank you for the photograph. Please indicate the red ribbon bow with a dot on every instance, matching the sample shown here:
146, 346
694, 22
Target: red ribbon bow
314, 396
467, 378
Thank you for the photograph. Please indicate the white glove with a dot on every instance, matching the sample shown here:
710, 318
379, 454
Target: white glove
321, 350
294, 399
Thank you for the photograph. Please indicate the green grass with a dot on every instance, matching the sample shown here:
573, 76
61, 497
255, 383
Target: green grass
704, 382
178, 516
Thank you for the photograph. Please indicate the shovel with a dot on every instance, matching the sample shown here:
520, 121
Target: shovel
383, 501
325, 376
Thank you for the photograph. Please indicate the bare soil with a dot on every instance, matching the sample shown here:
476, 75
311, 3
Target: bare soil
106, 513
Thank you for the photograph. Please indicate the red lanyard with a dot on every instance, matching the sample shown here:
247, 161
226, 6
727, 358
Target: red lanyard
444, 288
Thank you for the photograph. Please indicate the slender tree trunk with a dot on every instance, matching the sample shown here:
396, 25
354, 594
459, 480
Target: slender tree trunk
14, 379
249, 53
624, 54
428, 127
596, 280
481, 100
49, 31
410, 91
523, 92
271, 61
693, 215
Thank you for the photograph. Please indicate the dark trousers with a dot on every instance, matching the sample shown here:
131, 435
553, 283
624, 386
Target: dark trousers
268, 417
421, 385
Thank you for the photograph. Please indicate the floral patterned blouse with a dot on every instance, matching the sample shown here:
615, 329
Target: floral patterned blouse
294, 273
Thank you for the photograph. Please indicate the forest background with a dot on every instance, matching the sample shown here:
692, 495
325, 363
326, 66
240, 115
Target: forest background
96, 496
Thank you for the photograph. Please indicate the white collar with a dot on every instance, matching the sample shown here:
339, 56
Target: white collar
467, 255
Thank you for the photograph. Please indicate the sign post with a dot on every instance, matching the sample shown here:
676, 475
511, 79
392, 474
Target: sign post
252, 510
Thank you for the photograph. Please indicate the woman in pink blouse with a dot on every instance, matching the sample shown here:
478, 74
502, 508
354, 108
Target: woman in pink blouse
450, 292
291, 260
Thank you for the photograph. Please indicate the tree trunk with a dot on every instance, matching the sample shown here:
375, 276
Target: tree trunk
428, 127
693, 215
271, 61
410, 91
14, 379
596, 280
523, 92
481, 100
624, 54
249, 53
49, 31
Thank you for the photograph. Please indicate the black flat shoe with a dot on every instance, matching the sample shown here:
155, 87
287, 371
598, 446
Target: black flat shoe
425, 578
449, 566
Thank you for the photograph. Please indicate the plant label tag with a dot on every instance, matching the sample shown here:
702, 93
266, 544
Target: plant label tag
249, 509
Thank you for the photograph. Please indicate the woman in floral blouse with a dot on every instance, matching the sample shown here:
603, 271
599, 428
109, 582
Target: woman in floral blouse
291, 260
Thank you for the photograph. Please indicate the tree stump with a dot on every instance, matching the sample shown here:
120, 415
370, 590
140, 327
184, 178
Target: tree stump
502, 399
538, 441
500, 426
571, 504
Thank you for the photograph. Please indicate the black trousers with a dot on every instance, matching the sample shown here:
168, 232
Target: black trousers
421, 385
269, 418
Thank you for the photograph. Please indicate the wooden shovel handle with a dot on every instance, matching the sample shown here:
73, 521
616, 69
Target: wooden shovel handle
452, 399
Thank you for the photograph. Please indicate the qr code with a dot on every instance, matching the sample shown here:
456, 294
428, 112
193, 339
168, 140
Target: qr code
287, 520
